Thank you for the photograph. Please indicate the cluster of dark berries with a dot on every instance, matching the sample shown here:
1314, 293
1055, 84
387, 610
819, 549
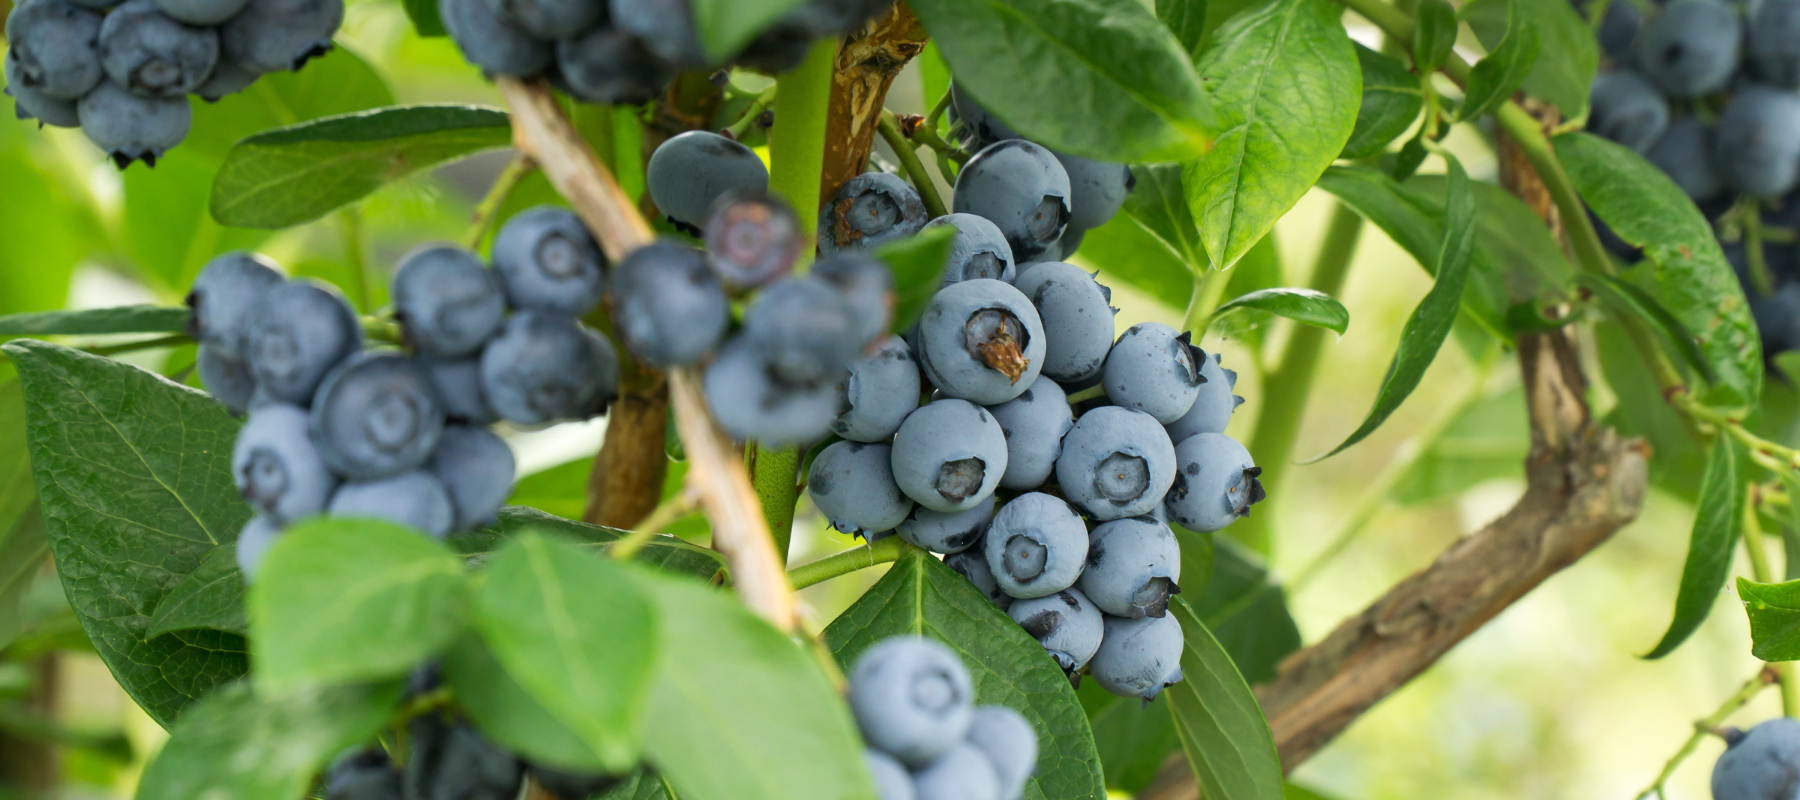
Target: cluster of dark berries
1760, 763
393, 434
625, 51
121, 71
1709, 92
927, 740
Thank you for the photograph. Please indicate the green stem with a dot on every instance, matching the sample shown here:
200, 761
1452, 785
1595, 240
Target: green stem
775, 475
937, 112
1750, 217
757, 107
351, 220
672, 508
1094, 392
1707, 727
1209, 287
928, 136
797, 142
909, 161
1529, 136
885, 551
1290, 382
174, 340
1759, 570
489, 207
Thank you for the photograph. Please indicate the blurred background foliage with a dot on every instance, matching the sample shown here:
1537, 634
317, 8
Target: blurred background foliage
1548, 701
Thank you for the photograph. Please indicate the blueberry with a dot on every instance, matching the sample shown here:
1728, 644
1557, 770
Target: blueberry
545, 367
606, 65
201, 12
892, 781
1138, 657
749, 403
981, 340
947, 532
1097, 191
572, 785
1685, 154
667, 304
691, 171
57, 45
1066, 623
1036, 546
1775, 41
972, 565
1691, 48
1627, 109
777, 49
1116, 462
298, 331
277, 467
476, 468
1216, 483
1778, 319
153, 55
867, 287
949, 455
548, 261
912, 698
362, 775
803, 330
451, 761
1065, 246
754, 238
228, 380
1759, 764
228, 78
878, 392
448, 303
1034, 424
552, 19
1154, 369
976, 128
224, 298
253, 543
1022, 189
964, 773
31, 103
273, 35
1077, 314
1212, 410
458, 386
666, 26
496, 44
978, 250
1619, 29
1008, 741
868, 211
1756, 146
132, 128
376, 415
413, 499
852, 484
1133, 566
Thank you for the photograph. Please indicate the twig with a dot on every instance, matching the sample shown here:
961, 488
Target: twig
1751, 218
715, 472
867, 63
883, 551
909, 161
1708, 726
489, 207
736, 130
678, 505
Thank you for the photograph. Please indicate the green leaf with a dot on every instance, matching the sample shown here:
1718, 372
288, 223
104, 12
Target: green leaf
1774, 610
1718, 520
662, 551
577, 635
1790, 533
1627, 299
1567, 60
1126, 253
1693, 280
725, 26
1186, 19
1228, 742
344, 600
209, 598
236, 743
917, 262
1134, 738
921, 596
124, 319
1125, 88
738, 710
1489, 439
1391, 102
24, 544
1159, 204
49, 219
1434, 33
1246, 611
560, 490
134, 476
508, 714
283, 177
1496, 77
1285, 86
1431, 320
425, 19
1512, 244
1306, 306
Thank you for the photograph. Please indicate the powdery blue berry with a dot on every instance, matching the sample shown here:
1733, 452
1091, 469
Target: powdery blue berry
476, 468
1036, 546
972, 565
1153, 369
1034, 424
1067, 624
1759, 764
376, 415
1212, 410
870, 210
496, 44
1116, 462
977, 250
228, 381
201, 12
224, 299
1077, 315
878, 392
947, 532
852, 484
228, 78
273, 35
750, 403
667, 305
1685, 154
57, 45
277, 467
1774, 41
868, 290
31, 103
964, 773
1022, 189
975, 127
609, 66
666, 26
691, 171
453, 761
362, 775
299, 331
458, 385
1627, 109
548, 261
1133, 566
545, 367
1008, 741
552, 19
912, 698
1216, 483
892, 781
1097, 191
1755, 145
981, 340
153, 55
1691, 48
413, 499
949, 455
803, 330
447, 301
132, 128
754, 238
253, 543
1138, 657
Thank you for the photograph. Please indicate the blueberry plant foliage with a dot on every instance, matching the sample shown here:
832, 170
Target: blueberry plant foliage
298, 543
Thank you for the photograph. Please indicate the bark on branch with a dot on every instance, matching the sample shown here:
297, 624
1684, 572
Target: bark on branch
867, 63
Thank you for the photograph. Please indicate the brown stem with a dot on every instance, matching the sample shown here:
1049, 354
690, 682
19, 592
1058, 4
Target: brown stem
867, 63
33, 764
715, 470
628, 474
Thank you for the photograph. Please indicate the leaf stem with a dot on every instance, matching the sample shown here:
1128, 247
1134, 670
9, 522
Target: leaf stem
757, 107
488, 208
672, 508
775, 475
1209, 287
909, 161
1750, 216
350, 219
927, 135
1094, 392
1760, 571
883, 551
1707, 726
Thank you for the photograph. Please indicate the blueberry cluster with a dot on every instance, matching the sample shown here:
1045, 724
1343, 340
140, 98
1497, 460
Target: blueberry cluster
121, 70
625, 51
1759, 764
1709, 92
400, 434
448, 759
915, 706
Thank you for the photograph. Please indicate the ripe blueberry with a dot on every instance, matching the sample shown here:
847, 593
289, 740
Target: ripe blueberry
1627, 109
552, 19
870, 210
31, 103
981, 340
253, 543
1212, 410
1034, 424
947, 532
606, 65
1077, 315
228, 380
414, 499
1132, 567
867, 287
376, 415
153, 55
548, 261
277, 466
1036, 546
1138, 657
362, 775
448, 303
496, 44
545, 367
1756, 148
476, 468
273, 35
57, 45
132, 128
964, 773
912, 698
451, 761
803, 329
1691, 48
458, 386
691, 171
1008, 741
1154, 369
1759, 764
750, 403
972, 565
1022, 189
1116, 462
1067, 624
949, 455
754, 238
877, 393
852, 484
978, 250
892, 781
667, 304
224, 298
299, 330
1216, 482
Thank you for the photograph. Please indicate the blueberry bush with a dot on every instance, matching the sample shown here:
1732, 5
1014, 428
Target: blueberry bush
281, 499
